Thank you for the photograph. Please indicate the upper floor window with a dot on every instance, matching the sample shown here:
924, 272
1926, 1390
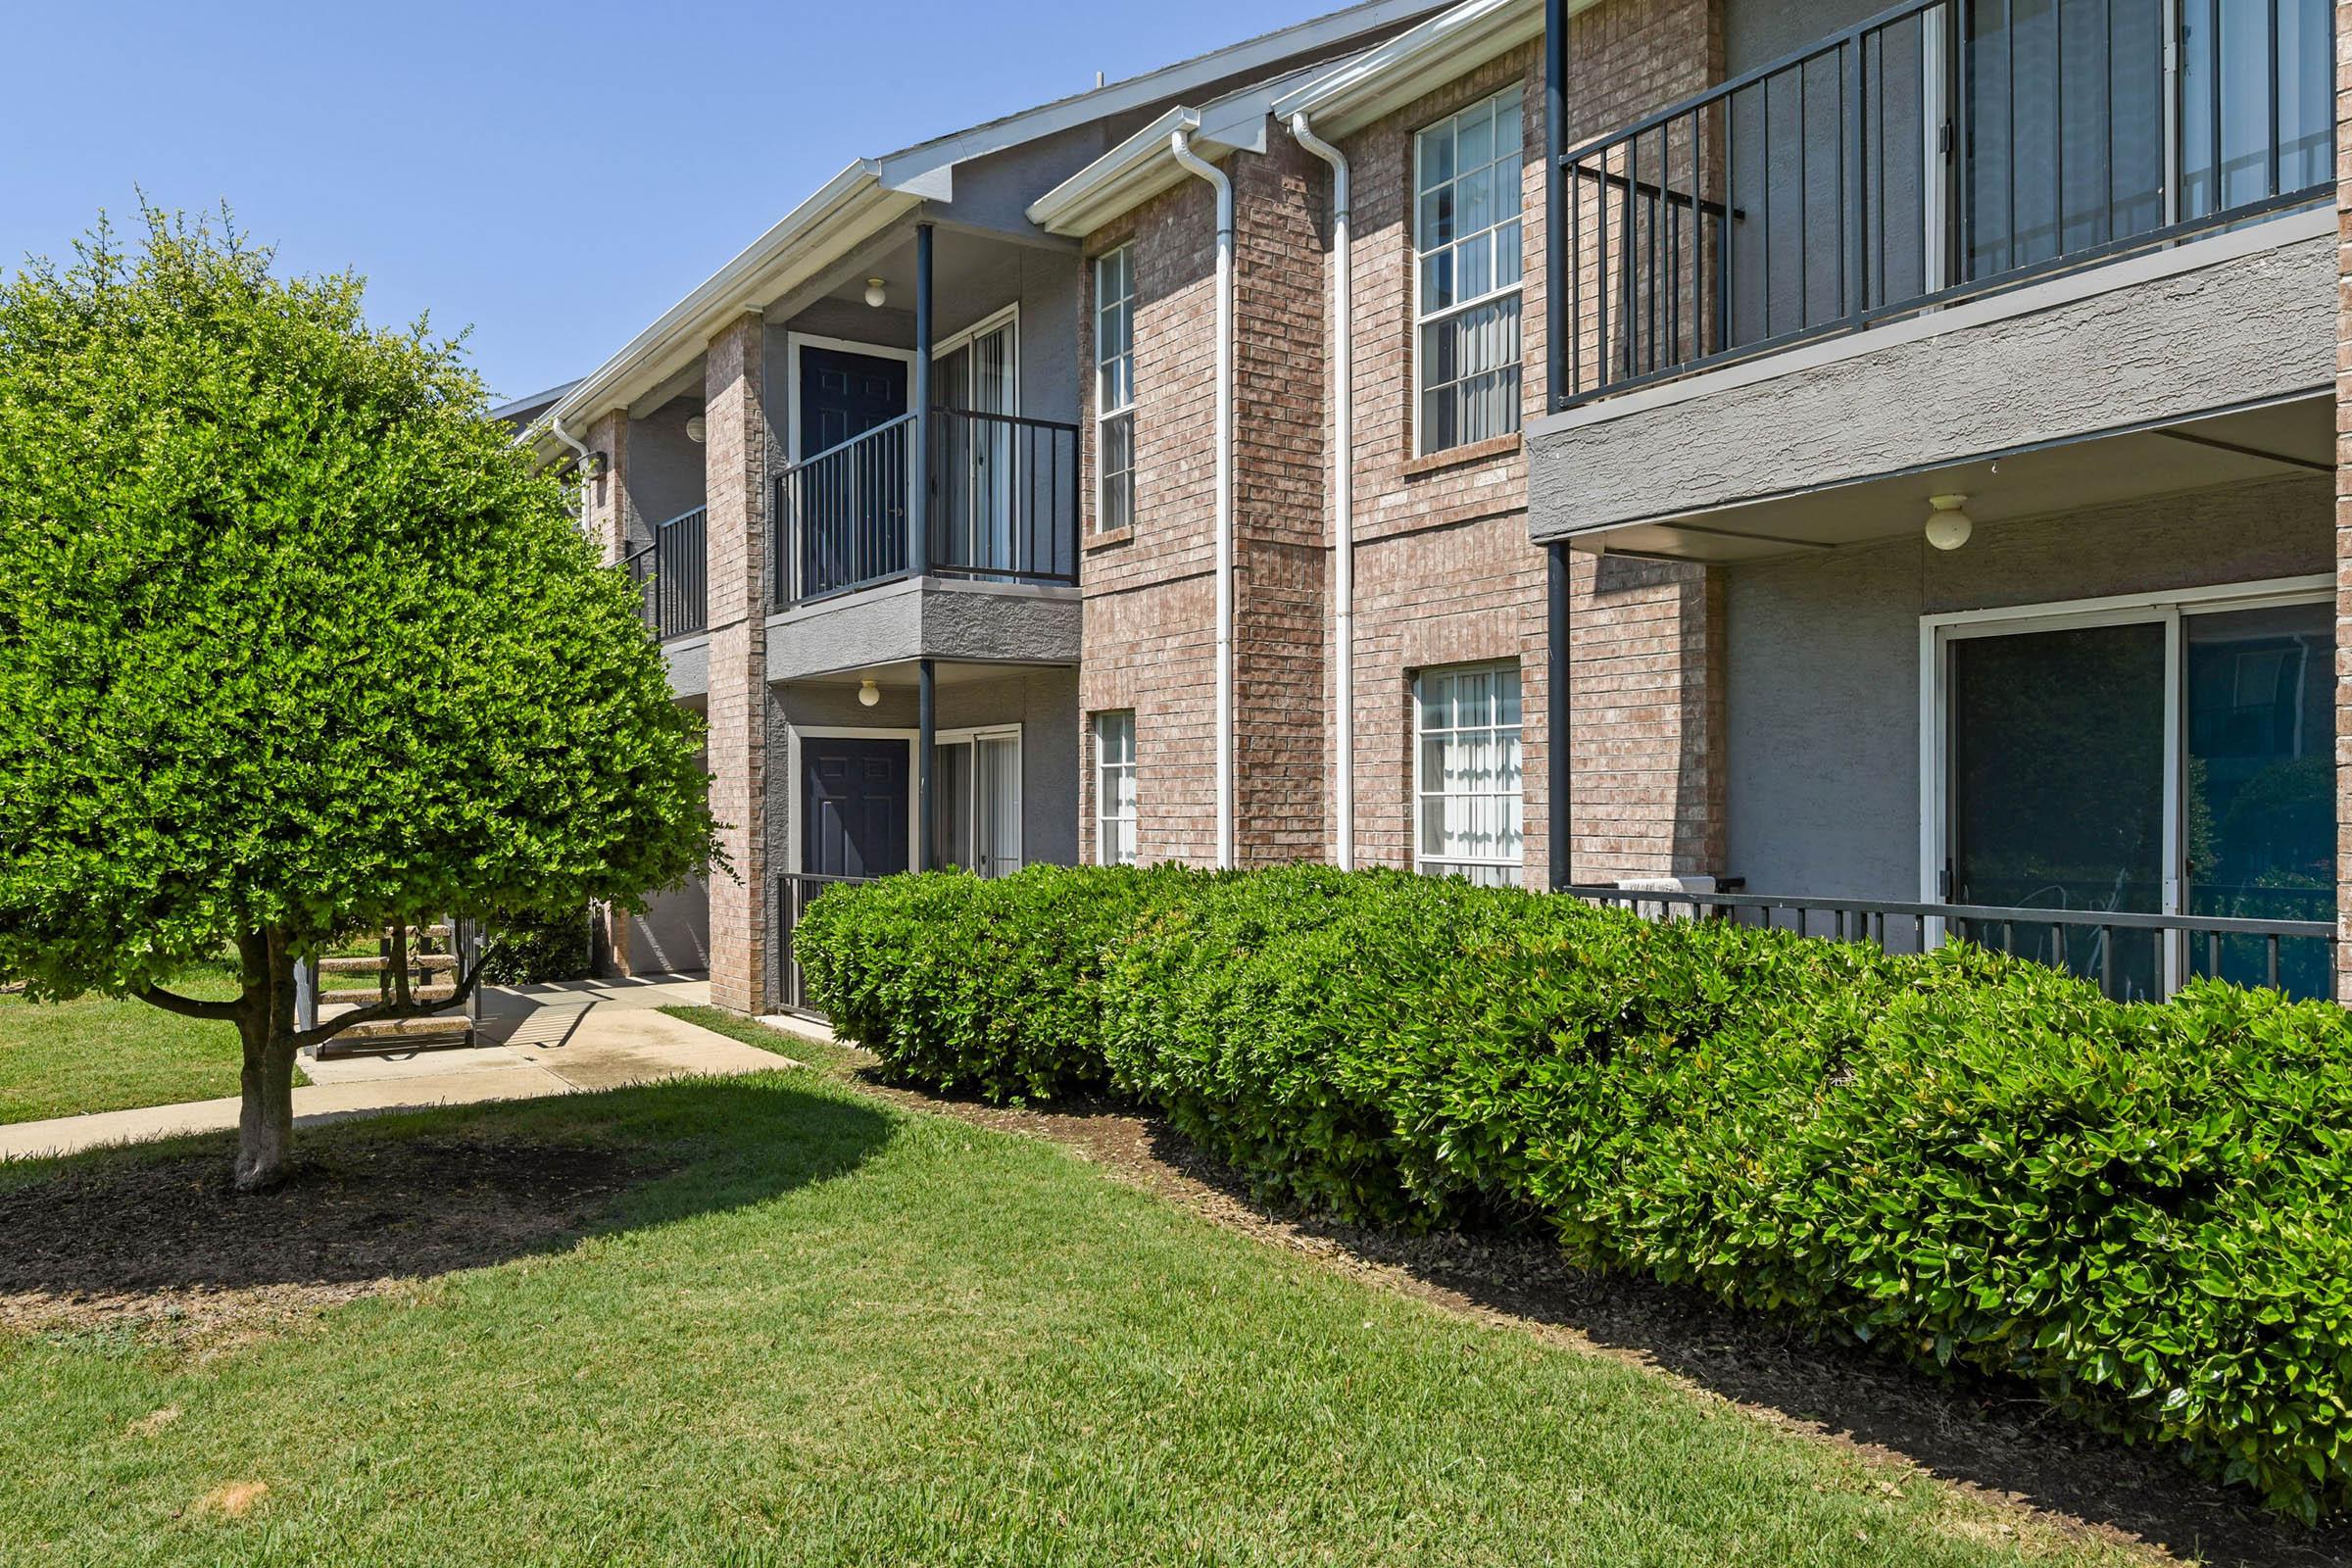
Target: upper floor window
1115, 814
1467, 174
1466, 773
1114, 389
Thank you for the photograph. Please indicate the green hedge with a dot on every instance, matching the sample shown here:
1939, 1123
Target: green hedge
544, 952
1970, 1160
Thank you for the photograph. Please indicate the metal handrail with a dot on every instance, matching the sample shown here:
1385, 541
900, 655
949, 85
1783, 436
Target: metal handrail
1003, 496
840, 515
1677, 261
795, 890
1865, 921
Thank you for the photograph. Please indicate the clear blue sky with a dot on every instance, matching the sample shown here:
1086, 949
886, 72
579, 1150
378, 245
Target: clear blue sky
555, 175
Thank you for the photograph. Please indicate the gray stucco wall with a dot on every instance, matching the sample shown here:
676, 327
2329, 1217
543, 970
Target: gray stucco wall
980, 622
1757, 32
666, 469
1822, 662
2041, 364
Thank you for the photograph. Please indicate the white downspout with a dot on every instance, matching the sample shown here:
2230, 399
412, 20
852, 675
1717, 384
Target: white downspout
1181, 143
587, 462
1342, 495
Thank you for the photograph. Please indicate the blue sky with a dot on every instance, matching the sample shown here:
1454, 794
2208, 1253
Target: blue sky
555, 177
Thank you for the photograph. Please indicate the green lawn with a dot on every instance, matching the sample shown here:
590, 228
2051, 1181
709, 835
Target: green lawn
69, 1059
822, 1331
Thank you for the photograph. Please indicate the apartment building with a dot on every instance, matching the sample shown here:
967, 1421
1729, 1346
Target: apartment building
1865, 469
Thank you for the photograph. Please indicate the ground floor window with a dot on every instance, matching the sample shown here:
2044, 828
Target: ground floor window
1114, 789
1470, 807
2157, 760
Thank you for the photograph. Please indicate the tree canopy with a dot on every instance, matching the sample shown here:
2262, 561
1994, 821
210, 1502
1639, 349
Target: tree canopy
294, 640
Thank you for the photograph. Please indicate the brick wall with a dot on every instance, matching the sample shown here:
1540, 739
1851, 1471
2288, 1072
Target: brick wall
1445, 572
736, 466
2343, 499
607, 497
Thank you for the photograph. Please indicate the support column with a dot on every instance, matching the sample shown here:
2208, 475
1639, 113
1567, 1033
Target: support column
919, 500
1559, 796
2343, 501
926, 739
735, 458
606, 517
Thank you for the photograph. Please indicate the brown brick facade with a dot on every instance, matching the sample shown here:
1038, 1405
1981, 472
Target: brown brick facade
1445, 570
736, 434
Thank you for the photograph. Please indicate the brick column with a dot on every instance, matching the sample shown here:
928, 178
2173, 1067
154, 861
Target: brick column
607, 515
2343, 499
736, 457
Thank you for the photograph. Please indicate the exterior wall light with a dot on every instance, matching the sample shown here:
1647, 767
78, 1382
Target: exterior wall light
876, 293
869, 695
696, 429
1949, 527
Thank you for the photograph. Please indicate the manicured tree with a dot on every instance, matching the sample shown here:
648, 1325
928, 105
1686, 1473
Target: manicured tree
294, 644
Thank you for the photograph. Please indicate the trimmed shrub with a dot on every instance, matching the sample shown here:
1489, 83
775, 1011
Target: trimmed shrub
1965, 1160
541, 953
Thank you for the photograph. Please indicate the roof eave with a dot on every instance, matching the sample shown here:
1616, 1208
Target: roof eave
1415, 63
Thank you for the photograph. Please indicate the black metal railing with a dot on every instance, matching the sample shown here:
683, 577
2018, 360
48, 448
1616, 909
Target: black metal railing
1003, 492
1935, 151
1003, 497
795, 892
2132, 957
672, 573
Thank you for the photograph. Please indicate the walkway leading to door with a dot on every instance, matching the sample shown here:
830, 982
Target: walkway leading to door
537, 1041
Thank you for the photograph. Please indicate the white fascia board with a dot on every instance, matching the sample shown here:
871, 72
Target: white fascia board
902, 169
852, 206
1140, 166
1415, 63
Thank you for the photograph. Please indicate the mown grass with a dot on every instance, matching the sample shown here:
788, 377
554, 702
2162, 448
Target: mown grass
100, 1054
836, 1333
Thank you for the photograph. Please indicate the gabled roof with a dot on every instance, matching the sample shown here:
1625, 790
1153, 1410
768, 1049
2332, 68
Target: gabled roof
1142, 167
1415, 64
872, 193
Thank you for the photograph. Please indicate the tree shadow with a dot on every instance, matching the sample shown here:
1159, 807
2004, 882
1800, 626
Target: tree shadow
146, 1234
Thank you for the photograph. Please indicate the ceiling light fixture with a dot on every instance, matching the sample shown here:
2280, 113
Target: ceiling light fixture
697, 428
1949, 527
877, 293
869, 695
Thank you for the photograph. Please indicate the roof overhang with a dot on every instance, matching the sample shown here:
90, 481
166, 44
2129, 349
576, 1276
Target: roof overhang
1142, 167
1415, 64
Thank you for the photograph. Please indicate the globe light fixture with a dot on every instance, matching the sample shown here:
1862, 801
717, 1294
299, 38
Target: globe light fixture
1949, 527
697, 428
876, 293
869, 695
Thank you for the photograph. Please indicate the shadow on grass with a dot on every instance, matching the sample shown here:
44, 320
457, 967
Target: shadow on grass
1994, 1437
146, 1233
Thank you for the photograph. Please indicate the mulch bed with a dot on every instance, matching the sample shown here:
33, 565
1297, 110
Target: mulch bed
1996, 1439
168, 1246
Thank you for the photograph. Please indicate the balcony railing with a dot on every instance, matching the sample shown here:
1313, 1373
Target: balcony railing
795, 892
1003, 494
672, 573
1933, 152
2132, 957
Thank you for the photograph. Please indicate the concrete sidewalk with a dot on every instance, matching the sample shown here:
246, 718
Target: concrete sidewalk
536, 1040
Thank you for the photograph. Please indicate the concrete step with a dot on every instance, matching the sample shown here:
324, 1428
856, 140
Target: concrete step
375, 965
442, 992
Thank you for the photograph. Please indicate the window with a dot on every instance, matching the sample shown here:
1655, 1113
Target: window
1114, 389
1467, 773
1114, 789
976, 802
1467, 173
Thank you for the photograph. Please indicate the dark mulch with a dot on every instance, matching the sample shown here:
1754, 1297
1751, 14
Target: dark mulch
170, 1244
1993, 1438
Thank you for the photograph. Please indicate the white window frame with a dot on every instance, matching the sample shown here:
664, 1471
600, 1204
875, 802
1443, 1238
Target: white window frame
1105, 821
1104, 417
1937, 633
1451, 865
1517, 287
971, 738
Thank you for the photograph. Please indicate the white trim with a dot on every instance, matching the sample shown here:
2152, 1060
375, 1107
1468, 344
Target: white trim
1134, 765
1000, 316
2166, 608
794, 342
1447, 863
1416, 62
1126, 410
1416, 355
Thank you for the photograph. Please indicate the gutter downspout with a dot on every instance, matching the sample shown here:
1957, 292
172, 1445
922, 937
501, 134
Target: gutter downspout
1179, 142
1342, 500
587, 462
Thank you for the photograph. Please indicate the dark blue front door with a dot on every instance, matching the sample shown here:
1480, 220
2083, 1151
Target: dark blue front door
854, 803
845, 395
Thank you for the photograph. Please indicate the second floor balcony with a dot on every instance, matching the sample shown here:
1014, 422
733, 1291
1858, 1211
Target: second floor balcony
964, 493
1934, 153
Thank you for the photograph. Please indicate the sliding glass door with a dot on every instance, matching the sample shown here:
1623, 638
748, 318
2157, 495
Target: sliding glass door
976, 801
2170, 759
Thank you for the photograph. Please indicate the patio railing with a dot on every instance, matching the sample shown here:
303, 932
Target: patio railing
795, 892
1935, 151
672, 573
2132, 957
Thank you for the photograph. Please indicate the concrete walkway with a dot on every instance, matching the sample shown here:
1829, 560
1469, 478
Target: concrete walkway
535, 1041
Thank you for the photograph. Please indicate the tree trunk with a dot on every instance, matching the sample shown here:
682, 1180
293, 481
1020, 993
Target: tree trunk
266, 1027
